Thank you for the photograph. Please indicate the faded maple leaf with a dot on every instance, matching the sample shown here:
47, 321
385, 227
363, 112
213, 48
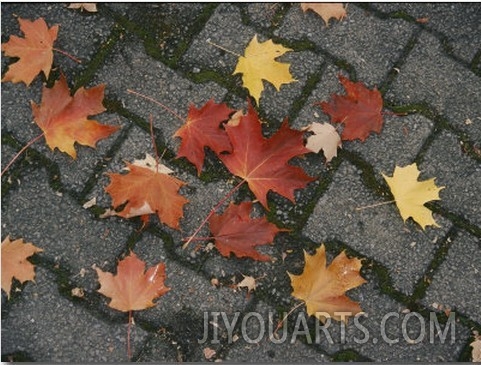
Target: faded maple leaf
236, 232
323, 288
259, 63
325, 138
203, 128
15, 263
326, 11
359, 110
35, 51
249, 282
64, 118
147, 188
410, 194
89, 7
262, 162
132, 288
476, 345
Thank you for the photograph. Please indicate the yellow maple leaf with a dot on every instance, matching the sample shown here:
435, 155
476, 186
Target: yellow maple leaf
258, 63
323, 288
410, 194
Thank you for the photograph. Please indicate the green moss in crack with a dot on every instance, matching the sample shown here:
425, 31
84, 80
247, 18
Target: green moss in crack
349, 355
99, 58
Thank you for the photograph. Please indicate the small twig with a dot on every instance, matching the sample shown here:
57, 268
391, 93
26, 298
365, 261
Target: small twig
67, 54
21, 151
198, 238
224, 49
158, 103
375, 205
213, 210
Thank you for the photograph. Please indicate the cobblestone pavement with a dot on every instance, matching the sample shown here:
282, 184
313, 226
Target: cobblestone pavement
428, 71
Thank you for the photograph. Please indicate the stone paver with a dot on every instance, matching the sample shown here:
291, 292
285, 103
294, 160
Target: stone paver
427, 73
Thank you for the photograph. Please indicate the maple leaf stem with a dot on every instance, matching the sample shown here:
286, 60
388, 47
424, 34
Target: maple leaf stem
279, 325
213, 210
31, 142
224, 49
67, 55
158, 103
129, 350
375, 205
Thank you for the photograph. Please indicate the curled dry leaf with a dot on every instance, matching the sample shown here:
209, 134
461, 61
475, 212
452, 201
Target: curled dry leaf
325, 138
64, 118
259, 63
323, 288
15, 263
411, 195
147, 188
326, 11
133, 288
35, 51
476, 345
89, 7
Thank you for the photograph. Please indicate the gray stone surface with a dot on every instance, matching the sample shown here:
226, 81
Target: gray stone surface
432, 77
162, 51
459, 174
455, 284
370, 45
446, 18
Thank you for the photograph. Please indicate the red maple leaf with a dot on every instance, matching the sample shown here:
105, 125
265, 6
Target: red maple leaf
235, 231
202, 128
64, 118
359, 110
262, 162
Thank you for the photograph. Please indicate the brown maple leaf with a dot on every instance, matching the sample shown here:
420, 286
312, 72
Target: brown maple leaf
203, 128
15, 263
35, 51
262, 162
359, 110
64, 118
326, 10
147, 189
323, 288
236, 232
133, 288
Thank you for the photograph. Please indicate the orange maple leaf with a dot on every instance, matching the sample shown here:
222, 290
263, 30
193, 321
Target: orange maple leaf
323, 289
147, 189
235, 231
133, 288
35, 51
202, 128
326, 10
63, 118
15, 263
262, 162
360, 110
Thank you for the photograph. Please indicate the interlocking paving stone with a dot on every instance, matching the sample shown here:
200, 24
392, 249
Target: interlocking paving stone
452, 90
369, 44
446, 19
403, 247
459, 174
153, 79
62, 228
457, 282
50, 328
